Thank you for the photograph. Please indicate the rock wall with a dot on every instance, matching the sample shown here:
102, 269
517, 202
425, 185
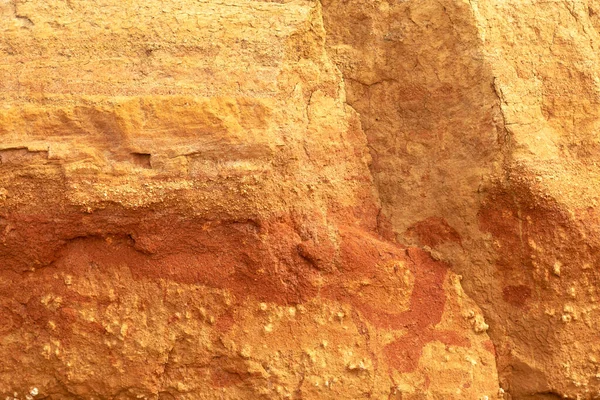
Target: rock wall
187, 212
482, 120
298, 199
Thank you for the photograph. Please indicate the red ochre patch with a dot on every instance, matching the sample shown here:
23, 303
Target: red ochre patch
489, 346
516, 295
432, 232
260, 260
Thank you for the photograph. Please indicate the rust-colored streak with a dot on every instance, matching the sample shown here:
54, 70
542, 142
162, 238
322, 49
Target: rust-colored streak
432, 232
263, 260
427, 300
428, 297
489, 346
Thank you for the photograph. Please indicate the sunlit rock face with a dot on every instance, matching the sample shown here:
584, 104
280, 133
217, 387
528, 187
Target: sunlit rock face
248, 199
187, 211
482, 122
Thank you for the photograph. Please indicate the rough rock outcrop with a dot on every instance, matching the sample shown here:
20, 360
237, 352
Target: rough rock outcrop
482, 120
246, 199
187, 212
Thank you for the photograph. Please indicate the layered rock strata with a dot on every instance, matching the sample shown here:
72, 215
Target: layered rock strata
187, 212
285, 199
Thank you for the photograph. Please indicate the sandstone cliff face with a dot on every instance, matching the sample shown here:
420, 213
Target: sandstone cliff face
187, 212
482, 119
285, 199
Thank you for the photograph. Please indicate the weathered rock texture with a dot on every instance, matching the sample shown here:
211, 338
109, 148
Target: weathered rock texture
277, 199
482, 120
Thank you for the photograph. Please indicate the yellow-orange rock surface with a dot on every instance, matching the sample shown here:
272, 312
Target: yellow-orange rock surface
344, 199
482, 120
